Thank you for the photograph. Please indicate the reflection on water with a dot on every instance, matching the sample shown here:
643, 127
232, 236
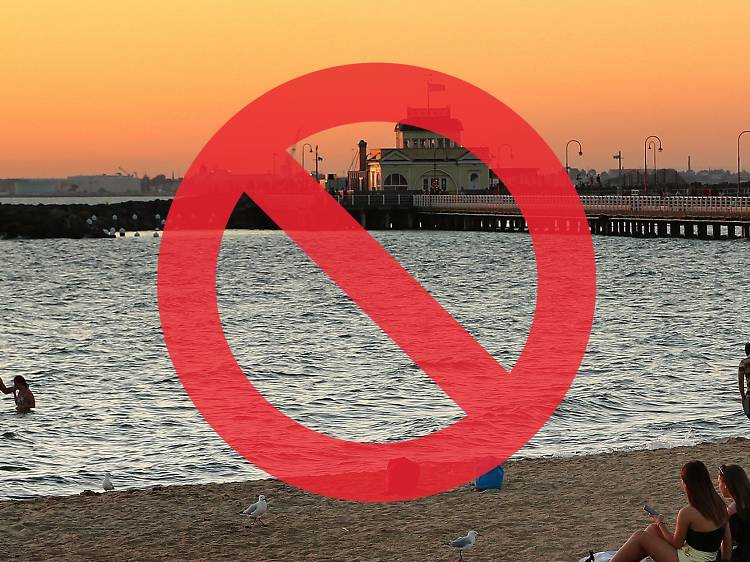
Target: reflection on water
80, 322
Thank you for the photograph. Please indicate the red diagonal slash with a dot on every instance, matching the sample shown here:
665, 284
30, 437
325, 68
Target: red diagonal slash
503, 410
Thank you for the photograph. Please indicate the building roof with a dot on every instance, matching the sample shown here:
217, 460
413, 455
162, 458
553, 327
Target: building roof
425, 154
431, 124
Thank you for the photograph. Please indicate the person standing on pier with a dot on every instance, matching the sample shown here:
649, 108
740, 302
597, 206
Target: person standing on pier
743, 377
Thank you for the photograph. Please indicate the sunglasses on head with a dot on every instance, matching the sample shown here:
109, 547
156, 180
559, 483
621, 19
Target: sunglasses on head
722, 468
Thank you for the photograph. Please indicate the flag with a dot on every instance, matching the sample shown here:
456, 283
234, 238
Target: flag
435, 87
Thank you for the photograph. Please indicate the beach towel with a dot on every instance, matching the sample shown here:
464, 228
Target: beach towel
605, 557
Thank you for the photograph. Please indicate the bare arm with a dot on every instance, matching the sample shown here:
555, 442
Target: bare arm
741, 381
677, 538
4, 389
726, 543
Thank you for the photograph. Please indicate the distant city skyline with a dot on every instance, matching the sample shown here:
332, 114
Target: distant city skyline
130, 86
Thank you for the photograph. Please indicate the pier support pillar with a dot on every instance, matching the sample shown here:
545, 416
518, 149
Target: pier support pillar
716, 230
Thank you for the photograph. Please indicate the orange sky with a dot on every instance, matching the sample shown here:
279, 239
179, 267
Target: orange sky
89, 86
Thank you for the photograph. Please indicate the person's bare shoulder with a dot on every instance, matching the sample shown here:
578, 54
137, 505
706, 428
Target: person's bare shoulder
688, 513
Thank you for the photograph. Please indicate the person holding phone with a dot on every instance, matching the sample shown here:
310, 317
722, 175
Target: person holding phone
701, 530
734, 484
22, 394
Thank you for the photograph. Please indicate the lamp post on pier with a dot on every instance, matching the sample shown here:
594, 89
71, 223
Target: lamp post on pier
652, 146
618, 157
317, 159
739, 166
309, 149
509, 147
645, 159
580, 153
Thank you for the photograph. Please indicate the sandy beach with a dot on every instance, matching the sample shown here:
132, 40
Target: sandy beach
552, 509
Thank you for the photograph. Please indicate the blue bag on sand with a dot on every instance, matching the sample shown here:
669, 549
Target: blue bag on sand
491, 480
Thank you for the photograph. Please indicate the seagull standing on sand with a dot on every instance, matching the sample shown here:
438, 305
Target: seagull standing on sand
107, 482
256, 510
463, 543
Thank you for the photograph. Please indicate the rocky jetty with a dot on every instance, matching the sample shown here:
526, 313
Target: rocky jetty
76, 220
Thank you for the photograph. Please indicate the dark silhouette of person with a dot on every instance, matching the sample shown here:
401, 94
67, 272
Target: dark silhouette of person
743, 380
22, 394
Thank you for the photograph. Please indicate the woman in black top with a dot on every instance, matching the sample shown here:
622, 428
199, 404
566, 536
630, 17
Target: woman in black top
701, 530
734, 484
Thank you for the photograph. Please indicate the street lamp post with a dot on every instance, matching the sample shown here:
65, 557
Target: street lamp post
317, 159
645, 159
580, 153
509, 147
739, 166
309, 146
652, 146
618, 157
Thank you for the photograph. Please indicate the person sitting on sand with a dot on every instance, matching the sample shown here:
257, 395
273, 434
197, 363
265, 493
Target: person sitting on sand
733, 483
743, 376
702, 526
22, 394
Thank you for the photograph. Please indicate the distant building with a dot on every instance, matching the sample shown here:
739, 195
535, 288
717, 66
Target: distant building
105, 184
37, 186
423, 160
74, 185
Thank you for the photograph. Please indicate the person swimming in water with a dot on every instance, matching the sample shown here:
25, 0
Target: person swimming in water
743, 377
22, 394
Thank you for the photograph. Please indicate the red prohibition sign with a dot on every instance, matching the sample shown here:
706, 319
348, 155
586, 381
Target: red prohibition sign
503, 409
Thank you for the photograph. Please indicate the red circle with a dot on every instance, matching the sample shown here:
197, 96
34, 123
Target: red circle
503, 409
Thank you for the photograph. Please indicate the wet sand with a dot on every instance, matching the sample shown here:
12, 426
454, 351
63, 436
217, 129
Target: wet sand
551, 509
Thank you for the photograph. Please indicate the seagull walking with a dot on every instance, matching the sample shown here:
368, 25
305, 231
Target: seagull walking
107, 483
463, 543
257, 510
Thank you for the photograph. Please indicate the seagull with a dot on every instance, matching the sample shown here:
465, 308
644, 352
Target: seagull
463, 543
107, 482
256, 510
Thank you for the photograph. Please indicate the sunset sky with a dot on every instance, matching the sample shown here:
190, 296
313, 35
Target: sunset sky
89, 86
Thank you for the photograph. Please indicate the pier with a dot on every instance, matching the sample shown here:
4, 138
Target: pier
705, 218
610, 215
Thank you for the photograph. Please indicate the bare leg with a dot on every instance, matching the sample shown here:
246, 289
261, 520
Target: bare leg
646, 543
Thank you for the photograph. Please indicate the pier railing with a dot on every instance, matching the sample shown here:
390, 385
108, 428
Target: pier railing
613, 205
377, 200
